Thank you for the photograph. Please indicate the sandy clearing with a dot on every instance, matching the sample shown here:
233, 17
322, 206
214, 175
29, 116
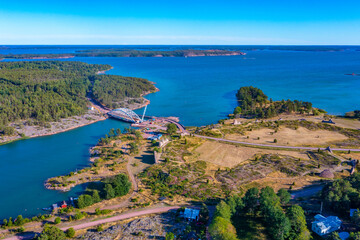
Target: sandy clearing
286, 136
228, 155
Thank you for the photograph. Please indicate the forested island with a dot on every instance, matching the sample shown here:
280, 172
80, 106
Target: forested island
126, 53
253, 103
40, 93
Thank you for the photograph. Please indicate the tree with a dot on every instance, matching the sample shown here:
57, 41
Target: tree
235, 202
250, 199
237, 110
354, 236
169, 236
356, 217
57, 220
19, 220
222, 229
99, 228
299, 230
95, 196
138, 134
109, 191
284, 196
268, 199
118, 131
84, 200
223, 210
204, 213
171, 128
278, 223
70, 233
51, 233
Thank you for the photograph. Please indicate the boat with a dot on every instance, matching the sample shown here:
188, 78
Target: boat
47, 209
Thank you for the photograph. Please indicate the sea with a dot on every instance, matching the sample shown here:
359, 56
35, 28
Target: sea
198, 90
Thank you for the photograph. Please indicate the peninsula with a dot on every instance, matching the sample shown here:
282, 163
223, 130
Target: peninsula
43, 98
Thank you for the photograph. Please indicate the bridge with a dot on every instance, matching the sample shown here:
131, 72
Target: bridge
126, 115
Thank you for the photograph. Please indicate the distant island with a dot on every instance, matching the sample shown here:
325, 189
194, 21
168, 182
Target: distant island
126, 53
42, 98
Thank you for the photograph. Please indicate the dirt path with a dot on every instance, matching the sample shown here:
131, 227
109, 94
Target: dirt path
275, 146
102, 221
135, 191
121, 217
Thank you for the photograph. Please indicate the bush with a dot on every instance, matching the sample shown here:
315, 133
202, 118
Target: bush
70, 233
99, 228
57, 220
169, 236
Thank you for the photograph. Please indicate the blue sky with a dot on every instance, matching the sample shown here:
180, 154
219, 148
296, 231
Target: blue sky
180, 22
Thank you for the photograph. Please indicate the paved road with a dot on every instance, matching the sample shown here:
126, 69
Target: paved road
275, 146
180, 126
307, 191
102, 221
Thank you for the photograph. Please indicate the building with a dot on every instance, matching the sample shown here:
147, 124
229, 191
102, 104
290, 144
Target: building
191, 214
63, 204
352, 211
344, 235
325, 225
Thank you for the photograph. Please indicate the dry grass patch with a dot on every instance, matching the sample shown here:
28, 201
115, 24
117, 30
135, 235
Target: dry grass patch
278, 180
286, 136
227, 155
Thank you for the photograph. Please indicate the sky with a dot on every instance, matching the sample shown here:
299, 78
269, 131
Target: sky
196, 22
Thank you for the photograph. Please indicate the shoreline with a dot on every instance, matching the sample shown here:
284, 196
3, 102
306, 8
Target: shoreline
104, 117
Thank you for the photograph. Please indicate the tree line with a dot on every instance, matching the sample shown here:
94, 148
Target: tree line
343, 194
282, 221
113, 52
254, 103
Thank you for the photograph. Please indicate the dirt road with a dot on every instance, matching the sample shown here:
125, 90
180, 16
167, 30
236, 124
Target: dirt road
275, 146
121, 217
102, 221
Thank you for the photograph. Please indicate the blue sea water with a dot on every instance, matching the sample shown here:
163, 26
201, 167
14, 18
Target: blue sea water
199, 90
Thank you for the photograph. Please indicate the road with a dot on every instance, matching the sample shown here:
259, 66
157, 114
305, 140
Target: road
102, 221
275, 146
121, 217
307, 191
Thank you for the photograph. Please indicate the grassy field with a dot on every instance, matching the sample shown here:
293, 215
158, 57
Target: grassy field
291, 137
228, 155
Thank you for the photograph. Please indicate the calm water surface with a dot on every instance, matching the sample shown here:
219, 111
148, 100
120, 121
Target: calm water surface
199, 90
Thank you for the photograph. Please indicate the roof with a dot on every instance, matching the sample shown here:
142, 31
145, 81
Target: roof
352, 211
191, 213
344, 235
331, 223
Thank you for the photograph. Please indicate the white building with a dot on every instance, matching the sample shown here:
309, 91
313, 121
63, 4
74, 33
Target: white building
325, 225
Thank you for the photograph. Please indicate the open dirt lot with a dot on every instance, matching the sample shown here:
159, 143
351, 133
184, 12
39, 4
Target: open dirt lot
290, 137
227, 155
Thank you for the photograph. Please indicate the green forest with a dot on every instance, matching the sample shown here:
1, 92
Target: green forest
241, 217
254, 103
43, 91
110, 89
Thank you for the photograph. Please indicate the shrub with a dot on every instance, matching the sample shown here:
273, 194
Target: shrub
70, 233
57, 220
